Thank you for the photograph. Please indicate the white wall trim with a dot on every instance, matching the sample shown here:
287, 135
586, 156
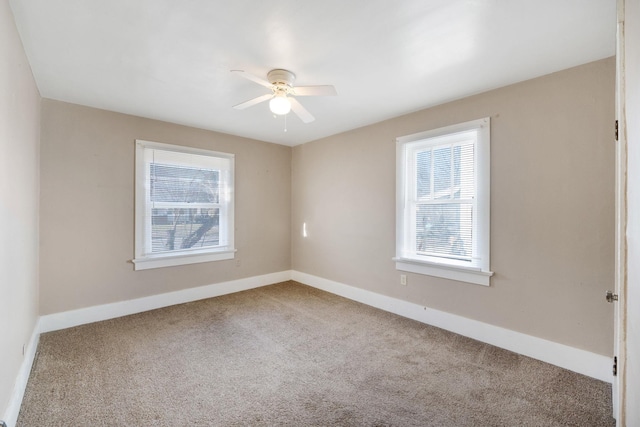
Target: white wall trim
68, 319
13, 409
574, 359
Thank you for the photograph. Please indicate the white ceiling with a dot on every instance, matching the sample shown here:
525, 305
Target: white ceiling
171, 60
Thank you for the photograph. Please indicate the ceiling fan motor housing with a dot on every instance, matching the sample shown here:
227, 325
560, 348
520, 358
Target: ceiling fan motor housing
281, 77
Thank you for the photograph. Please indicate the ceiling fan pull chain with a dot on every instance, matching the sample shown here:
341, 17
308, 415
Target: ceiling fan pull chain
285, 122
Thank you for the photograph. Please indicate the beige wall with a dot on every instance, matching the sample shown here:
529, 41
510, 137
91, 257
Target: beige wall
552, 208
19, 150
87, 201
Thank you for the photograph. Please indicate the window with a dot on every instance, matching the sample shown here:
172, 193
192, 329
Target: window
443, 202
184, 205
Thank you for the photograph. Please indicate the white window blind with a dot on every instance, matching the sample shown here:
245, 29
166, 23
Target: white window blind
443, 200
184, 205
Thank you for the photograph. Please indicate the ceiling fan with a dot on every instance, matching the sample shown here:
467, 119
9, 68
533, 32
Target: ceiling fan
282, 100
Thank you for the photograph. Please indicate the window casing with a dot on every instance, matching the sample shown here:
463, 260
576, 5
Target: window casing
443, 185
184, 205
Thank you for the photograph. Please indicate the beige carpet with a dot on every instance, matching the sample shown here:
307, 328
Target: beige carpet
290, 355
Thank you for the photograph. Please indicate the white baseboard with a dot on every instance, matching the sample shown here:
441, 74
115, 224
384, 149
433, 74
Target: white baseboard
577, 360
13, 409
68, 319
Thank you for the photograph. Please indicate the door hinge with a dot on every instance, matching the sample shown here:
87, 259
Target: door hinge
616, 130
615, 366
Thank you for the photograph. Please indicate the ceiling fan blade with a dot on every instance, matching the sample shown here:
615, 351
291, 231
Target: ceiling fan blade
251, 77
253, 102
325, 90
300, 111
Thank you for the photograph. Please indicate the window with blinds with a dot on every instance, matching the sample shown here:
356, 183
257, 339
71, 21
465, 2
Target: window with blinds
184, 205
443, 201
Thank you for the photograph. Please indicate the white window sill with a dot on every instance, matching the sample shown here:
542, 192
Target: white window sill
459, 273
158, 261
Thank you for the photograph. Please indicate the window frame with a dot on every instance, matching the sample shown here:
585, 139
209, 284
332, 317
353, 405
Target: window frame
146, 260
477, 270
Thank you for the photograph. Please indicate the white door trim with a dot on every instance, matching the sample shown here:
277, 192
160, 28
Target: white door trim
618, 385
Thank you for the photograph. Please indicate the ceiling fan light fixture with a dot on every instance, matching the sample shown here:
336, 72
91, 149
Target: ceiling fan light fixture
280, 105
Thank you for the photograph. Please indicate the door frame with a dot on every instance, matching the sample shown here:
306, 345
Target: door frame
618, 384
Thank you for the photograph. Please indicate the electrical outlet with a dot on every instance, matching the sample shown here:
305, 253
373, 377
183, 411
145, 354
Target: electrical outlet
403, 279
238, 262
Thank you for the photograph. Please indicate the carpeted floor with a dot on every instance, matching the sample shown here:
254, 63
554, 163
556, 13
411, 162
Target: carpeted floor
290, 355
